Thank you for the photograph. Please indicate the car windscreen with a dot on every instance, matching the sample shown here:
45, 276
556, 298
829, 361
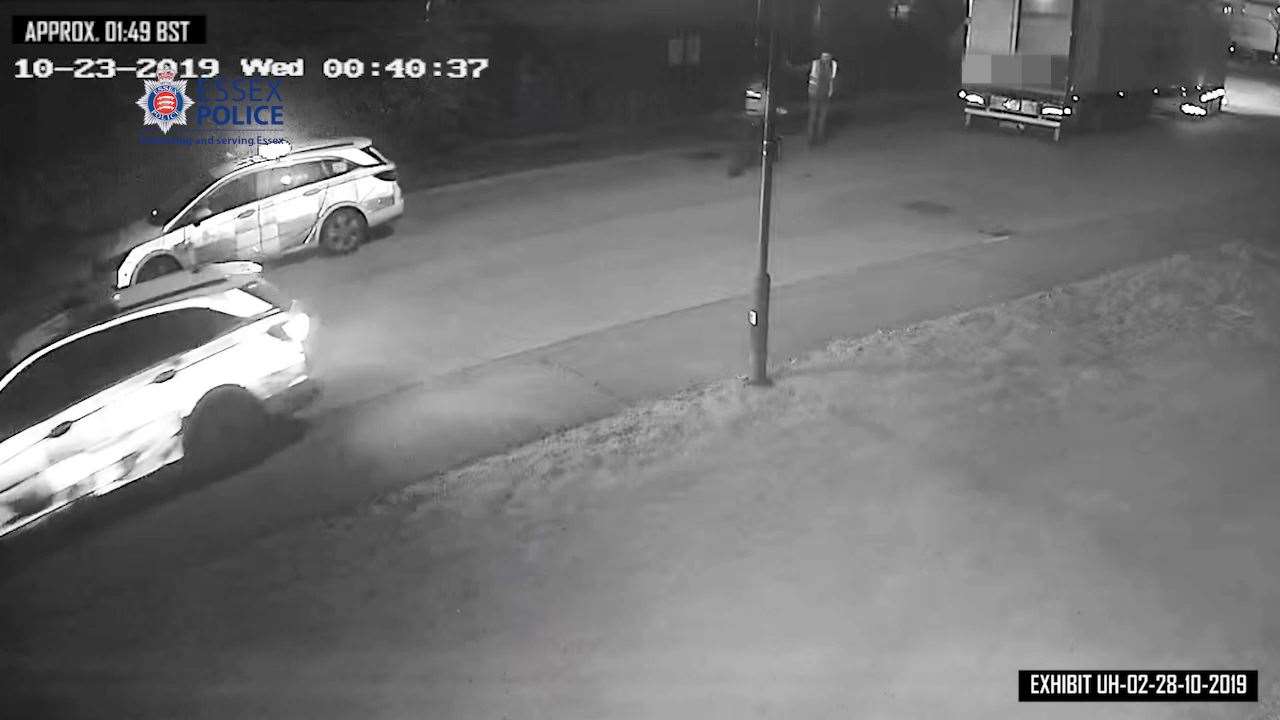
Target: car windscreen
179, 198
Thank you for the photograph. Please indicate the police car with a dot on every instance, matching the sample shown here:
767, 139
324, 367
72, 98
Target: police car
191, 365
327, 194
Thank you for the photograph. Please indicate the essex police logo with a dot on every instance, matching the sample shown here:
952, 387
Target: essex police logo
164, 101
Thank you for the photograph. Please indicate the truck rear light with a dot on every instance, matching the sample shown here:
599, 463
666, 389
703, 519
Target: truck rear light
1196, 110
388, 175
1052, 110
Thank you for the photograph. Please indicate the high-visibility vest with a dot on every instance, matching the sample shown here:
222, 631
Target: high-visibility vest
822, 82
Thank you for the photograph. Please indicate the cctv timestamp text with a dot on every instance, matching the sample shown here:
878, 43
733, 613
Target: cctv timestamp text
400, 68
105, 67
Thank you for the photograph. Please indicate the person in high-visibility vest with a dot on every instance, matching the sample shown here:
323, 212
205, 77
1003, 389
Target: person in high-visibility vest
822, 85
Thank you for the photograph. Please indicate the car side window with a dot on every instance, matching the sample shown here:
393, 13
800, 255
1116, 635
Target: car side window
283, 179
189, 328
156, 338
39, 391
57, 380
231, 194
334, 167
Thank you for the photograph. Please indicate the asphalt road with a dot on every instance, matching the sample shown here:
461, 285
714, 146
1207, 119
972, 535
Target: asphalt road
491, 269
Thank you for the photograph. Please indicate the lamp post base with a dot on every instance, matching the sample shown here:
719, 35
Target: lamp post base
759, 321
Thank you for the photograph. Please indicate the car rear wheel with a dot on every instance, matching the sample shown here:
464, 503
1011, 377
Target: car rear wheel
157, 267
227, 431
343, 232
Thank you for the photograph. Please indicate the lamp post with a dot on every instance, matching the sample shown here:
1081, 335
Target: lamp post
1275, 24
758, 315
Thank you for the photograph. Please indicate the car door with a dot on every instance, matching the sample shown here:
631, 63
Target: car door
37, 409
292, 196
183, 365
223, 224
63, 436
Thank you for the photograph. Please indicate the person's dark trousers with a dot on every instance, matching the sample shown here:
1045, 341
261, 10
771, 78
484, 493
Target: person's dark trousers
746, 146
818, 119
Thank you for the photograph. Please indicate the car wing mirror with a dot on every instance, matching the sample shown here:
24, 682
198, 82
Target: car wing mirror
202, 212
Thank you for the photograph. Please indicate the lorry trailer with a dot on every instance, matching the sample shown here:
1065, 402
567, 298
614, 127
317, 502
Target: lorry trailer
1092, 64
1255, 30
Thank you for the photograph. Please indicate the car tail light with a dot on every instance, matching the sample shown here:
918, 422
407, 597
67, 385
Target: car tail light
294, 329
388, 175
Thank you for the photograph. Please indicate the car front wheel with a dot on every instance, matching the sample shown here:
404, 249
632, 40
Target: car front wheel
157, 267
343, 232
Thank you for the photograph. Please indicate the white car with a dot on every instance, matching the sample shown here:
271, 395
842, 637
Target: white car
193, 364
285, 199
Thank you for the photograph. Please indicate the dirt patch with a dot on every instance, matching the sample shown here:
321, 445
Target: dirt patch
928, 207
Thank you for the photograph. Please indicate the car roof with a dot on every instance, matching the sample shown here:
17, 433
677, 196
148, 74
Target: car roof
351, 140
99, 307
341, 142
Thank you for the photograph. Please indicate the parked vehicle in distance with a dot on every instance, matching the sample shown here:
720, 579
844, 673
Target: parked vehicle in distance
192, 364
1092, 64
282, 200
